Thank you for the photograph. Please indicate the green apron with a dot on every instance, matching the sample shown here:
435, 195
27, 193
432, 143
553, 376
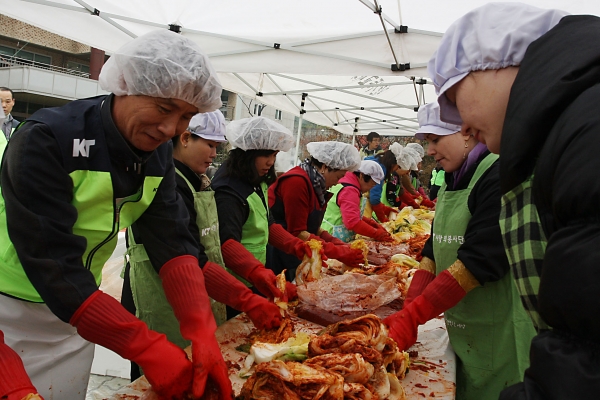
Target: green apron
151, 304
332, 220
489, 330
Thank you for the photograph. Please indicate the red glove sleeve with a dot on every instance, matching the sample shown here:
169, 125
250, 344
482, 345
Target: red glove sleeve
14, 382
102, 320
291, 291
408, 199
362, 228
286, 242
371, 222
380, 212
442, 293
225, 288
238, 259
427, 203
419, 282
326, 236
351, 257
183, 283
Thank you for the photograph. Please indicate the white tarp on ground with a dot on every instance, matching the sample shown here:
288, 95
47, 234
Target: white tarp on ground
334, 44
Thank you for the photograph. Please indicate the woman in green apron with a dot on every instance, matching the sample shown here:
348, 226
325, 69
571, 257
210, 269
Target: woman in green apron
241, 185
193, 152
464, 271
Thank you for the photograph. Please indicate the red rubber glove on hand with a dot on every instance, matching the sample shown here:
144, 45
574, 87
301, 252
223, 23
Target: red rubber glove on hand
102, 320
427, 203
14, 382
288, 243
371, 222
326, 236
383, 236
379, 233
408, 199
351, 257
183, 283
419, 282
225, 288
440, 295
382, 211
291, 291
243, 263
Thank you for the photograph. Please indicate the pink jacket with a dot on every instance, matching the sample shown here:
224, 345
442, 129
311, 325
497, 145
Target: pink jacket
349, 200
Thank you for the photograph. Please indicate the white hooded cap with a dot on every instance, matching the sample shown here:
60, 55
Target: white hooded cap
259, 133
415, 157
418, 148
336, 155
373, 169
209, 126
493, 36
163, 64
430, 122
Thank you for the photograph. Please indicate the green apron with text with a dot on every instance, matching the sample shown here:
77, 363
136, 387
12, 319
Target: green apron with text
151, 303
488, 329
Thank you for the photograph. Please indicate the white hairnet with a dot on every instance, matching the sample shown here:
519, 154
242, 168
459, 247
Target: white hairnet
418, 148
259, 133
414, 155
163, 64
335, 155
373, 169
493, 36
396, 148
406, 160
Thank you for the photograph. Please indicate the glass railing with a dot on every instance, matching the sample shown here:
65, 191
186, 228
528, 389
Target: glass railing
9, 61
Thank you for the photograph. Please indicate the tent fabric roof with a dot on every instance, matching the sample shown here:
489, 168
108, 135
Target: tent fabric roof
334, 50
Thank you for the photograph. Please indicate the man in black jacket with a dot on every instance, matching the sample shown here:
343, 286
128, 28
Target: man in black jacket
72, 178
525, 81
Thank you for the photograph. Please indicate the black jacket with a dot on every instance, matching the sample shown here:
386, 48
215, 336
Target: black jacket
552, 125
38, 193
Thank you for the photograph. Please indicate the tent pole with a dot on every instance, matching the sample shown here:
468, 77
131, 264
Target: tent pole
302, 111
355, 131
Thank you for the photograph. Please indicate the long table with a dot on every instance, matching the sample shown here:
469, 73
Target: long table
432, 371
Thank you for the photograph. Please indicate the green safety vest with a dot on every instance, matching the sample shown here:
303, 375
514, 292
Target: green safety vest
151, 304
333, 222
99, 219
489, 330
437, 177
255, 232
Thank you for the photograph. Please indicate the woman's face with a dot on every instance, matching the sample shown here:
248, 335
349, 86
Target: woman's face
264, 163
481, 99
366, 186
196, 152
332, 177
449, 150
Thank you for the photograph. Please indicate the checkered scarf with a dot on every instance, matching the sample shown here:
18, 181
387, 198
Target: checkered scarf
525, 245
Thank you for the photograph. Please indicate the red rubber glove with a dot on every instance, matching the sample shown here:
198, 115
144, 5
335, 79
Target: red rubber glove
440, 295
243, 263
351, 257
419, 282
326, 236
382, 211
288, 243
225, 288
291, 291
183, 283
383, 236
427, 203
371, 222
102, 320
422, 193
408, 199
14, 382
379, 233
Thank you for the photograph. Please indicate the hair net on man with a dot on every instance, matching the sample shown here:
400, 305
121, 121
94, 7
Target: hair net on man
163, 64
335, 155
259, 133
418, 148
493, 36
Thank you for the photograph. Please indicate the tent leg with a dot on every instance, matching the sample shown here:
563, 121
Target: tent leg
302, 111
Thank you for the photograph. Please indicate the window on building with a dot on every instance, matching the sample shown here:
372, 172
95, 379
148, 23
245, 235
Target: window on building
75, 66
25, 55
278, 114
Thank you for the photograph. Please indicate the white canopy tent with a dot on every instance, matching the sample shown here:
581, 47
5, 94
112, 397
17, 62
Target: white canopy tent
352, 63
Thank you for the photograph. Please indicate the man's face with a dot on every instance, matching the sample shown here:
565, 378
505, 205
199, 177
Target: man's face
481, 99
147, 122
373, 144
7, 101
